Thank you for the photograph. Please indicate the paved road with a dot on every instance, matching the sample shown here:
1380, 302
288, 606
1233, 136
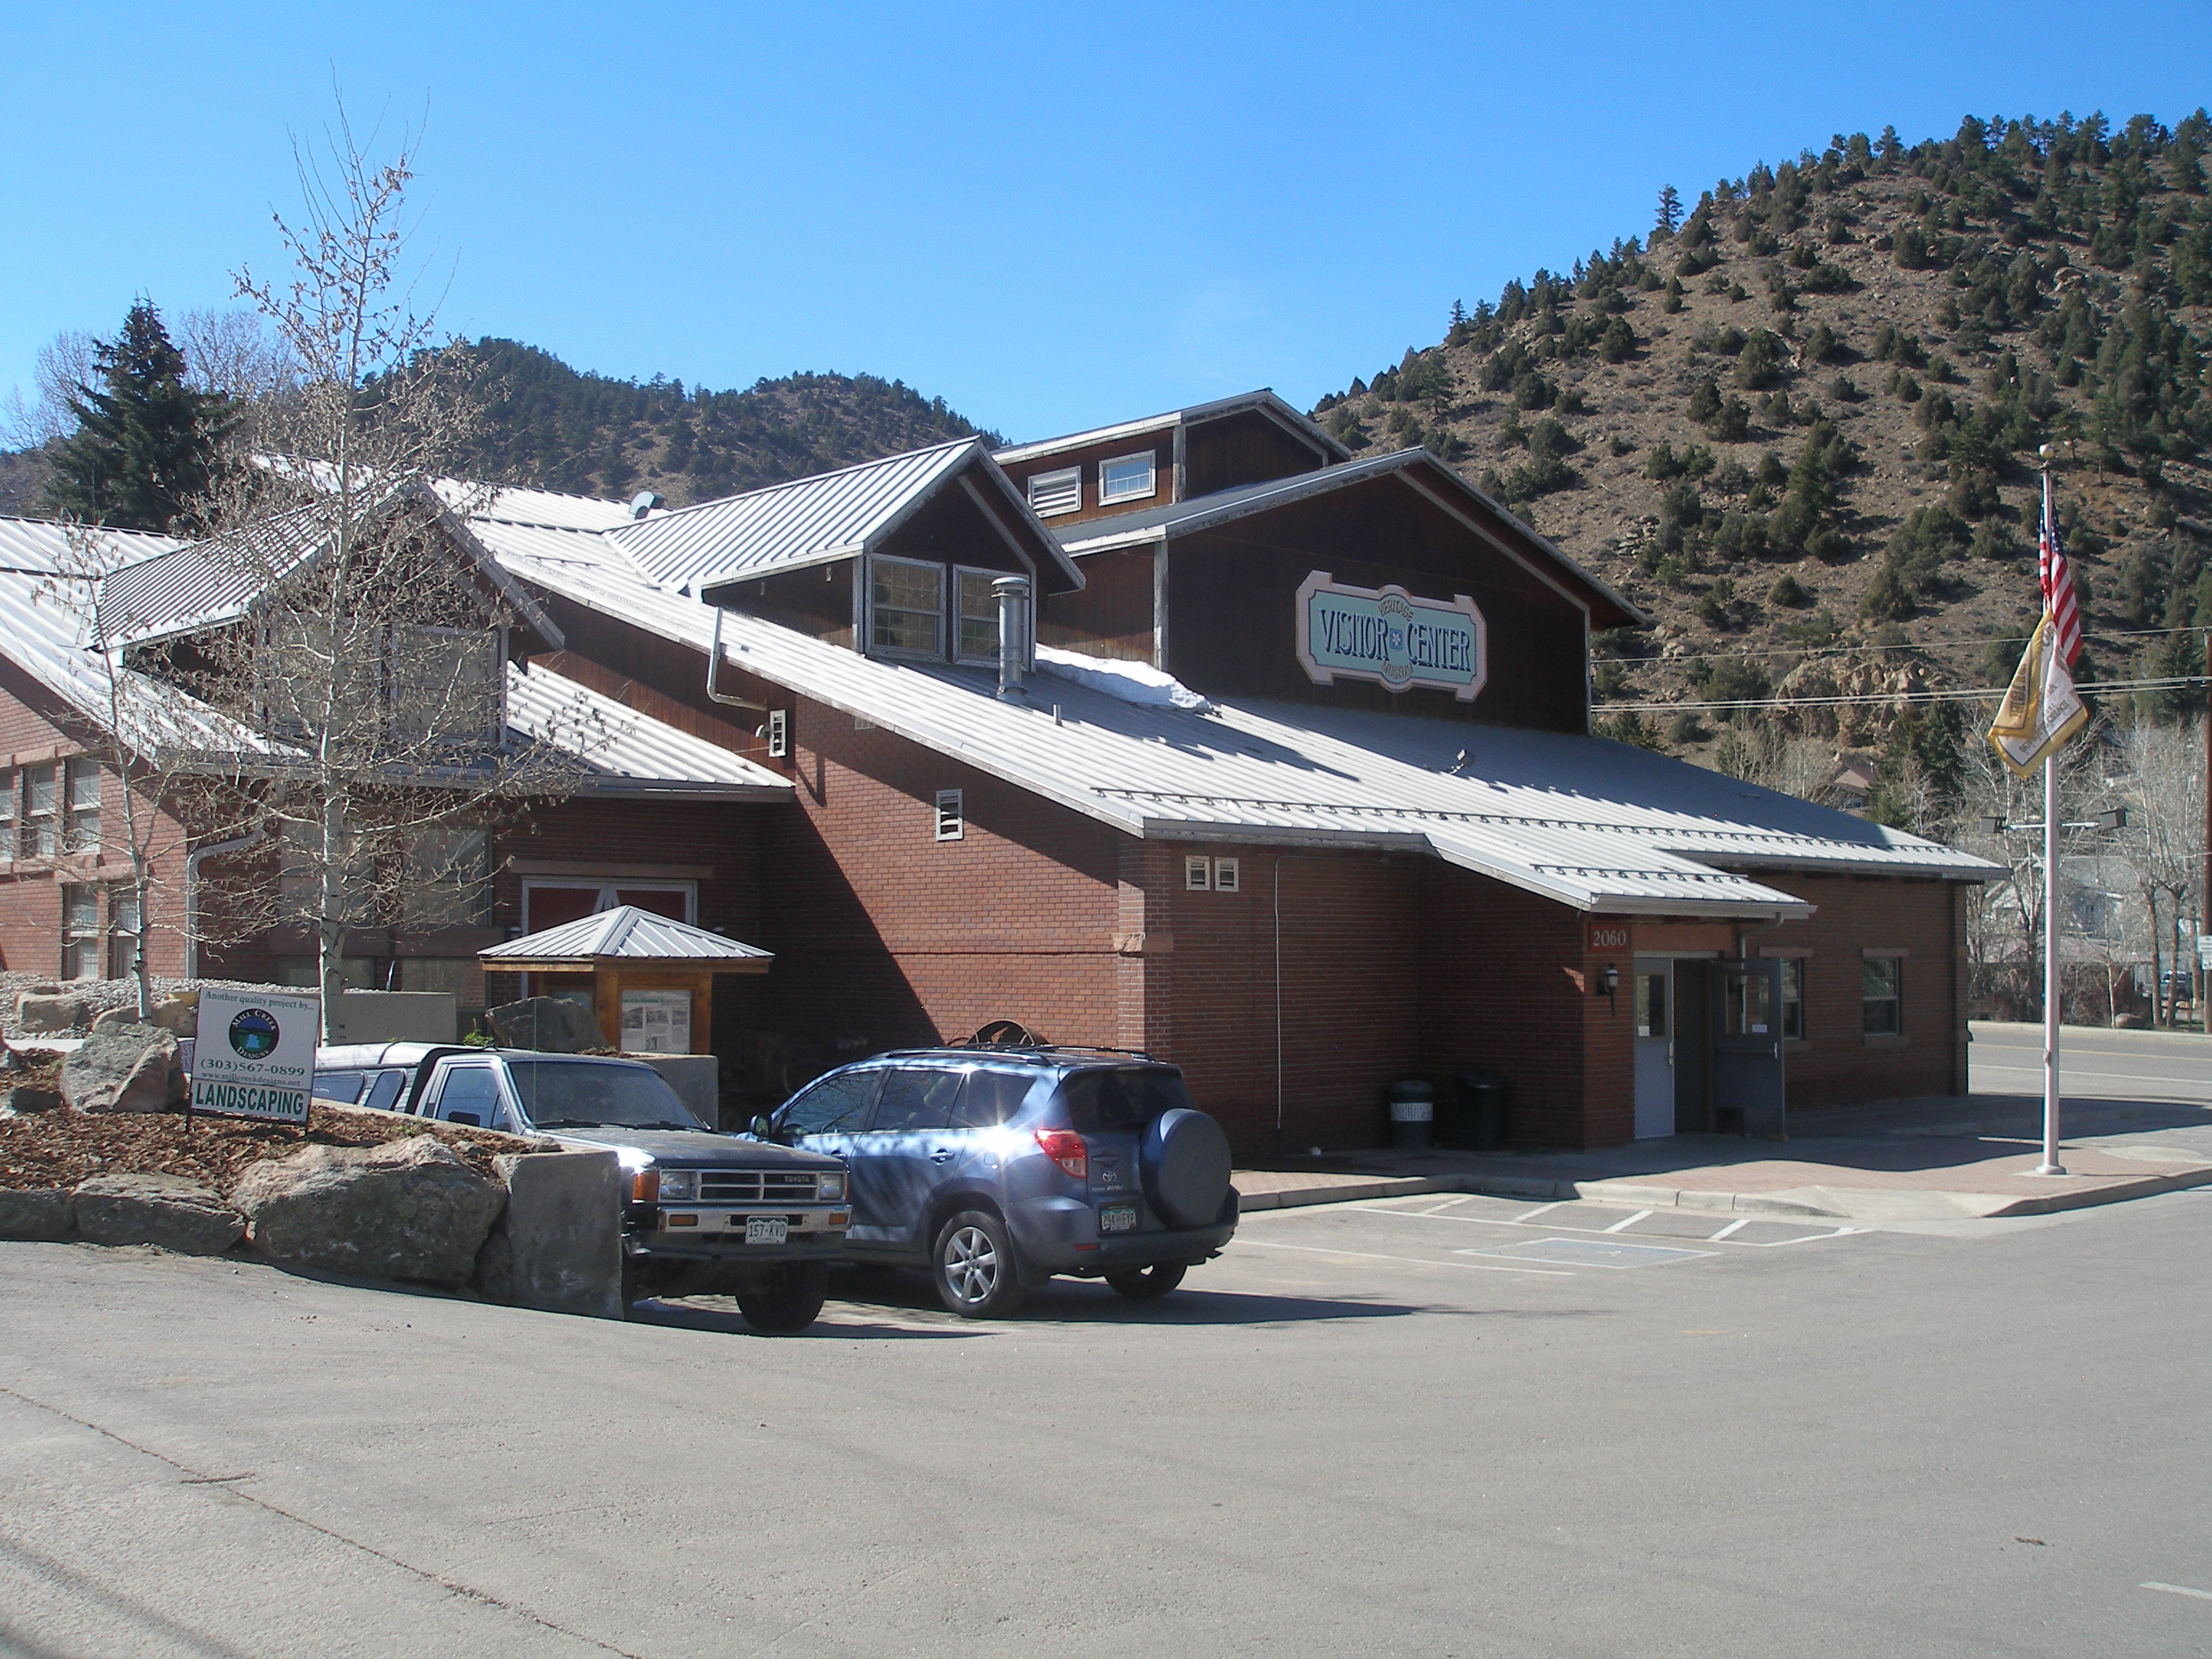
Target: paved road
2093, 1064
1431, 1427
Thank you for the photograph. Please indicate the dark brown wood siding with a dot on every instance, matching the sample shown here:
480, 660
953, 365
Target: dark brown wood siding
950, 529
816, 601
1087, 457
1244, 448
1232, 627
1112, 617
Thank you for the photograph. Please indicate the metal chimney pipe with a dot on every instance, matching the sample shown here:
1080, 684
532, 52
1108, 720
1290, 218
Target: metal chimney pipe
1013, 597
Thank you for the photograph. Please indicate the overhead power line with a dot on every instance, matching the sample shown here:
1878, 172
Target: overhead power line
1868, 699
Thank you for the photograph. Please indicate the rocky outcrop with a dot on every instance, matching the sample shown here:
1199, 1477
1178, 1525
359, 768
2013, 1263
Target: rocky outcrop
126, 1068
39, 1213
408, 1209
550, 1024
167, 1211
48, 1013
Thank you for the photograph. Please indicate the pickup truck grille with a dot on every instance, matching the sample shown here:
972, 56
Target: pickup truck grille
755, 1187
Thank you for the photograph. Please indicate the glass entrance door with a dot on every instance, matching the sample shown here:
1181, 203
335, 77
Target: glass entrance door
1654, 1004
1749, 1095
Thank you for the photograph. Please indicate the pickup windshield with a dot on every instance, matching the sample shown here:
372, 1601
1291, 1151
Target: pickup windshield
578, 1095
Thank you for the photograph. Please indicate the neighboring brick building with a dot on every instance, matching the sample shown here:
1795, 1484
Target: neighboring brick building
1288, 781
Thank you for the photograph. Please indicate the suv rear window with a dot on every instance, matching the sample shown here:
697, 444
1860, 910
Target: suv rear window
1126, 1097
990, 1099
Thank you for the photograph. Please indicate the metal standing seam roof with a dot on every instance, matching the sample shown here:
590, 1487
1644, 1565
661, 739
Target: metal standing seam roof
1264, 399
1597, 825
808, 521
628, 934
46, 631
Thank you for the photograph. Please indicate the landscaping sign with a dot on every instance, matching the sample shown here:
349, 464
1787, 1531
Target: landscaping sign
1388, 636
256, 1055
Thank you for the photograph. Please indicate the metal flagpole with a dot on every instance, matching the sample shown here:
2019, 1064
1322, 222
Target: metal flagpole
2050, 1166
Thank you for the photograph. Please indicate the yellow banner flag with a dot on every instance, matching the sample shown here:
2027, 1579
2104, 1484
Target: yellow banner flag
2040, 710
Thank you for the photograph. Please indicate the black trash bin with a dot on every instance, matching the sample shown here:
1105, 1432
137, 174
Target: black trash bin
1479, 1126
1412, 1114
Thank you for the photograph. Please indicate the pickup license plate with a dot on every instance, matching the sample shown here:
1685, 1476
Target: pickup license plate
766, 1230
1117, 1218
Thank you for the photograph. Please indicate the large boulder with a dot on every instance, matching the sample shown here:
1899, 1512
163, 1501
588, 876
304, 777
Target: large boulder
165, 1211
125, 1068
39, 1213
408, 1209
29, 1100
552, 1024
181, 1014
48, 1013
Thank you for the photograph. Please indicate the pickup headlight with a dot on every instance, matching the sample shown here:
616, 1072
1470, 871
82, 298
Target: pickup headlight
678, 1186
830, 1186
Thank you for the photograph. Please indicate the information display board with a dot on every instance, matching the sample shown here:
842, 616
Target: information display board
255, 1056
656, 1022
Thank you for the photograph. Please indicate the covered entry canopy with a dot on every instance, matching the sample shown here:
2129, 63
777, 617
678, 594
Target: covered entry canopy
651, 977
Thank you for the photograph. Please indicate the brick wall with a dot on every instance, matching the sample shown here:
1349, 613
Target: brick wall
1837, 1063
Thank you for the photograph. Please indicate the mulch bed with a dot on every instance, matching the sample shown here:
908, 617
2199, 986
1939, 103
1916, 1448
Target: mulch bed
61, 1147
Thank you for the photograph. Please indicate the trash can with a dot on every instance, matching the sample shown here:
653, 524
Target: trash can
1412, 1114
1479, 1125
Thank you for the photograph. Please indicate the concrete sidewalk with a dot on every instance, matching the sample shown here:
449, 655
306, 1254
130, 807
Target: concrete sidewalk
1905, 1161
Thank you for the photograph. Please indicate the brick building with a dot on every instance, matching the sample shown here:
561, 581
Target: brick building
1272, 762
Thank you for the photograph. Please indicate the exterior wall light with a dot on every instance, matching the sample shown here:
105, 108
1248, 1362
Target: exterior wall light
1610, 983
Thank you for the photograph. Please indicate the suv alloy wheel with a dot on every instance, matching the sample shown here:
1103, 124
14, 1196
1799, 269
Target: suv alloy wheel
973, 1263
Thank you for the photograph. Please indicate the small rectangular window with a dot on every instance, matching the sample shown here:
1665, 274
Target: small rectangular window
80, 932
1652, 1005
447, 686
1881, 981
1225, 875
41, 833
122, 931
951, 816
1127, 478
1793, 998
7, 786
978, 605
82, 831
1197, 873
906, 607
778, 733
1054, 493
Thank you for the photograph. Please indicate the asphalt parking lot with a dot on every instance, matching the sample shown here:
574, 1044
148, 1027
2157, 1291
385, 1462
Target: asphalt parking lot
1426, 1426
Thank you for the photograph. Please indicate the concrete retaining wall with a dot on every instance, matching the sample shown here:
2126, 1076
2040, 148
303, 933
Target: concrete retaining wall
397, 1017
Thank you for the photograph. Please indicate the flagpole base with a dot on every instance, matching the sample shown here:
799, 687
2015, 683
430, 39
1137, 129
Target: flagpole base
2048, 1170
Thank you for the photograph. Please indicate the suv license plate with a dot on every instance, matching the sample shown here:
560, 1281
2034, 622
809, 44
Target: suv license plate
1117, 1218
766, 1230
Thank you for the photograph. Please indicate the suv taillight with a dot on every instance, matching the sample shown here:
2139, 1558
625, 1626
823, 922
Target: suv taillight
1064, 1147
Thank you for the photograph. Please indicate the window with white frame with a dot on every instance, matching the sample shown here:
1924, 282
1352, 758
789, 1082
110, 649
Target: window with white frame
1197, 873
951, 816
448, 685
1127, 478
80, 831
448, 878
123, 928
977, 639
40, 833
1054, 493
778, 733
1228, 877
906, 607
8, 796
81, 931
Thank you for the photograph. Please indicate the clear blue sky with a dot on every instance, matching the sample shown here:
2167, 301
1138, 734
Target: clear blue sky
1051, 215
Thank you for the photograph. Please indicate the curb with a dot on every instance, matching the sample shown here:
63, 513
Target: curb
1537, 1189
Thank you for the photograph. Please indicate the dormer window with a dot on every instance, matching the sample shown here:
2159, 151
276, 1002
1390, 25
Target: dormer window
1127, 478
1054, 493
445, 685
906, 607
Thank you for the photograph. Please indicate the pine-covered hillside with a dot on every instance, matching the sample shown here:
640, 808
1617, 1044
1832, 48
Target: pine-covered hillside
549, 425
1798, 424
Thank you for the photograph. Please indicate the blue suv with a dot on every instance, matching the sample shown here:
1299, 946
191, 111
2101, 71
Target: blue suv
995, 1168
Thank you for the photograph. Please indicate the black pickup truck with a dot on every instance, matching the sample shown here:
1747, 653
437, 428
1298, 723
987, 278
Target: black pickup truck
704, 1212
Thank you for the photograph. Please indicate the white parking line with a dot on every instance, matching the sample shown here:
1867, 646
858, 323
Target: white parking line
1412, 1260
2175, 1589
1538, 1211
1742, 1222
1619, 1225
1386, 1207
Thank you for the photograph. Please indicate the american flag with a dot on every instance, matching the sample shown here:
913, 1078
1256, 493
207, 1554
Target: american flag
2057, 581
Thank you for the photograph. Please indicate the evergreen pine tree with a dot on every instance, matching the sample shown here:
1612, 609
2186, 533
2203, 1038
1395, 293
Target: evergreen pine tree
1670, 210
146, 443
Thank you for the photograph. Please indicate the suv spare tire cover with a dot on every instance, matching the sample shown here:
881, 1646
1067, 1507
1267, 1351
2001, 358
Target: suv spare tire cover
1185, 1161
